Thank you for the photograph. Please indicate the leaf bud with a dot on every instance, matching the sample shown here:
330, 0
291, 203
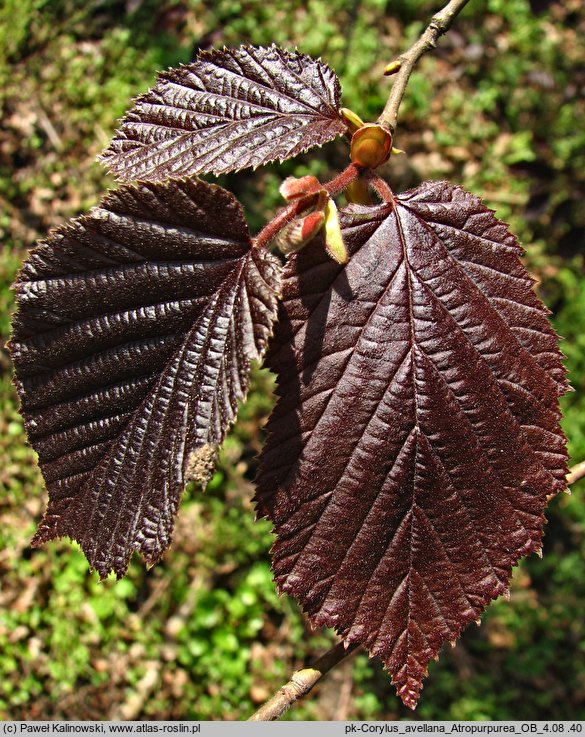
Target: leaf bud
371, 146
294, 188
353, 120
392, 68
296, 235
334, 244
358, 193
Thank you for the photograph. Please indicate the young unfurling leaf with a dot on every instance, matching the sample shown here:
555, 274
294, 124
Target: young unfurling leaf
293, 188
295, 236
228, 110
132, 342
334, 244
416, 436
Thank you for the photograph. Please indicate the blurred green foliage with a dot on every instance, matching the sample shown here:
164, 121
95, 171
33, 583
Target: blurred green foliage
498, 108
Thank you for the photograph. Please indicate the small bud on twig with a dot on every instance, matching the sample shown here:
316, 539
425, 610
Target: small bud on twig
392, 68
293, 188
371, 146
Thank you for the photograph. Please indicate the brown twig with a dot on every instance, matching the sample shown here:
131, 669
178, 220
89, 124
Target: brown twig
576, 473
49, 129
301, 683
406, 62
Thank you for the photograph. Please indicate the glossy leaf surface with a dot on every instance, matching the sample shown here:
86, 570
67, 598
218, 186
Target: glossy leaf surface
227, 110
416, 436
132, 342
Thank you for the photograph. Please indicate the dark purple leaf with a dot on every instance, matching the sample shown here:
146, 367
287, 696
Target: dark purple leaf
416, 437
228, 110
132, 342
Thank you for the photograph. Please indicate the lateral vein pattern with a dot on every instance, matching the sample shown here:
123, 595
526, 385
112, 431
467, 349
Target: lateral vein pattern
132, 343
416, 436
